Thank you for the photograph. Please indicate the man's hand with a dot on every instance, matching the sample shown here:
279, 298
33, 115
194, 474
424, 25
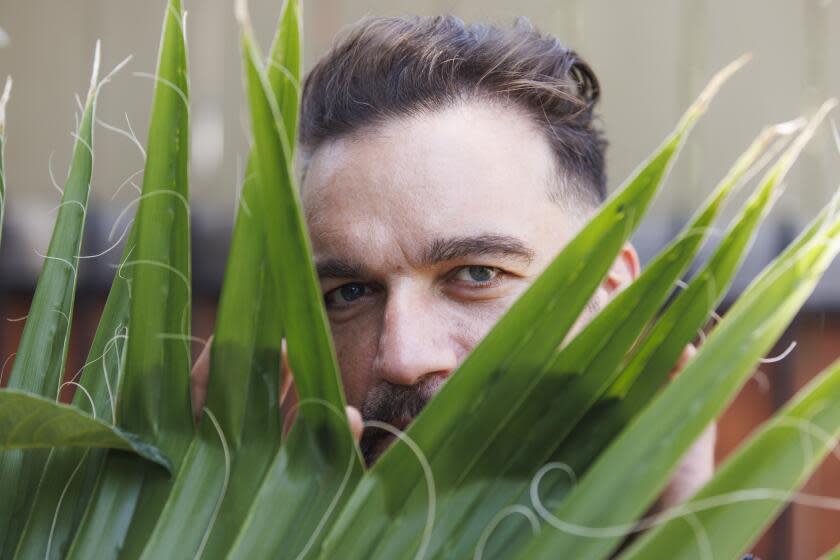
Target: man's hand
200, 378
698, 464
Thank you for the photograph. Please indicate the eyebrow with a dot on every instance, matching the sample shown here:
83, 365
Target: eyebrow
439, 251
487, 244
338, 268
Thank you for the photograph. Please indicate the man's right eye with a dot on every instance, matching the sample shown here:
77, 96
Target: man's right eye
345, 295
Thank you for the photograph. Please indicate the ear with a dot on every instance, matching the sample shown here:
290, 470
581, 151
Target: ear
624, 270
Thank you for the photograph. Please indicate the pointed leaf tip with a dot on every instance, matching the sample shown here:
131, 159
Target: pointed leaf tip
807, 133
723, 76
94, 77
240, 11
710, 91
7, 92
790, 127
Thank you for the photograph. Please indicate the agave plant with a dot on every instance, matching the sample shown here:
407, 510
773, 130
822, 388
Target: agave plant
567, 470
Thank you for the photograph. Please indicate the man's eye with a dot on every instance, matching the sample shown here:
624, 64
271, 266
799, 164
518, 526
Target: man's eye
477, 274
346, 294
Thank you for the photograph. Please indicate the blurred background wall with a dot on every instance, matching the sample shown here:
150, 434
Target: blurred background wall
652, 57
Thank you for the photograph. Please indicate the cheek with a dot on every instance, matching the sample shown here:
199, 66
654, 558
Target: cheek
355, 347
599, 299
468, 324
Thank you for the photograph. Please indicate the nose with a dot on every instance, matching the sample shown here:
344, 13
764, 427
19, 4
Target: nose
414, 340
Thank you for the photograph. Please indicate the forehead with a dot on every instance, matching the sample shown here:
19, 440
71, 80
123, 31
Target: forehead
467, 169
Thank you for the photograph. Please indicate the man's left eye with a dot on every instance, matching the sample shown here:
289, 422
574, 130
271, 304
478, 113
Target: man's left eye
477, 274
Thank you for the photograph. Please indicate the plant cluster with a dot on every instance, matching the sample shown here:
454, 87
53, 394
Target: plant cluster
535, 448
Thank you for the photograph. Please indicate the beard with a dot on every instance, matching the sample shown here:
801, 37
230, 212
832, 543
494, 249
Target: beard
396, 405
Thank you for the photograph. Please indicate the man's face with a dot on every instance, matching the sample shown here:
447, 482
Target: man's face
425, 230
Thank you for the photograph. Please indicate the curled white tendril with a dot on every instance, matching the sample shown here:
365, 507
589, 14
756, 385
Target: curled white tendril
128, 206
128, 181
760, 376
5, 363
504, 513
61, 499
118, 335
132, 137
52, 175
430, 481
689, 509
167, 83
85, 391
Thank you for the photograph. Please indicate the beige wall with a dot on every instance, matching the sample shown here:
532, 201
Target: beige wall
651, 55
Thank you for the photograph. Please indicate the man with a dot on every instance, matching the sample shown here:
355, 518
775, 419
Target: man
443, 166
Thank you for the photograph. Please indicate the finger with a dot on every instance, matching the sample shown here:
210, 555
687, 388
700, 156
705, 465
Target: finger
288, 399
286, 379
354, 418
696, 468
688, 352
199, 379
288, 394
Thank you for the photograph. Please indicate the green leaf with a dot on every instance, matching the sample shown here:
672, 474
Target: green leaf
755, 483
4, 99
240, 432
154, 399
70, 474
647, 369
457, 430
319, 463
41, 355
833, 554
29, 421
638, 463
197, 493
284, 69
311, 354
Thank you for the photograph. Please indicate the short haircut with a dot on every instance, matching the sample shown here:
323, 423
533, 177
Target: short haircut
391, 67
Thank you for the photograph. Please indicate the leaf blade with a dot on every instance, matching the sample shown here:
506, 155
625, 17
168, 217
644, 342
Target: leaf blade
154, 397
650, 448
240, 431
763, 471
30, 421
39, 363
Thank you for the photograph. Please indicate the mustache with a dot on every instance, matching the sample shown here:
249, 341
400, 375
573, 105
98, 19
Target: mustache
396, 405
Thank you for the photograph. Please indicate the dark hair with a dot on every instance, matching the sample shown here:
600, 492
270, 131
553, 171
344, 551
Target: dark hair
387, 67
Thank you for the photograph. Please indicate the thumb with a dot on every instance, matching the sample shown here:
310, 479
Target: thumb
286, 377
688, 352
354, 418
199, 379
288, 394
288, 399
